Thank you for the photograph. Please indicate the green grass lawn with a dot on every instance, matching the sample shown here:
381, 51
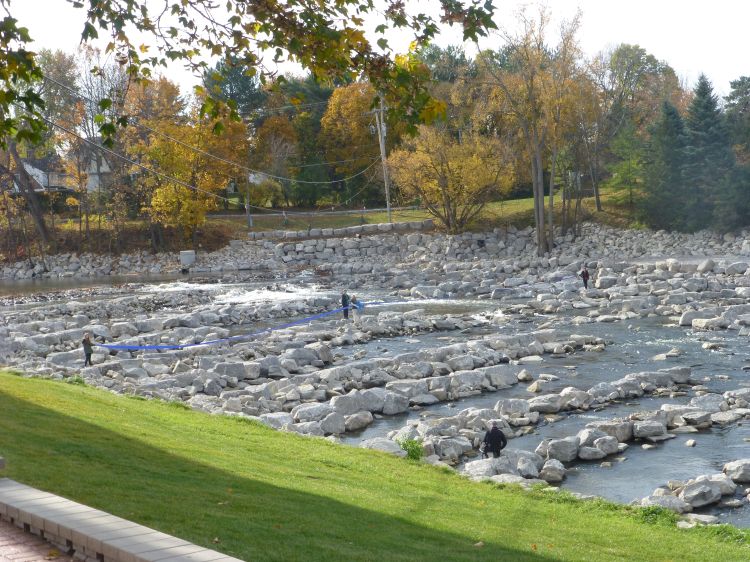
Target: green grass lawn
258, 494
518, 212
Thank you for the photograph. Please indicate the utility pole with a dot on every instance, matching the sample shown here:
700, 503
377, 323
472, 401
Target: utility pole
380, 121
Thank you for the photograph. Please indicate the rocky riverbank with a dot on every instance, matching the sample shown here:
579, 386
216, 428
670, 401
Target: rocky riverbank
377, 249
212, 349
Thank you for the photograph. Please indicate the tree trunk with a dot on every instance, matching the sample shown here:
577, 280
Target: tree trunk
579, 198
538, 186
26, 185
593, 171
551, 218
564, 204
594, 168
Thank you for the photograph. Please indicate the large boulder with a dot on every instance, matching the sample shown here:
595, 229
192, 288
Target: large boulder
546, 404
527, 468
373, 399
700, 493
587, 436
408, 388
358, 421
306, 428
710, 402
564, 450
604, 391
451, 447
311, 412
322, 351
648, 428
277, 420
608, 445
348, 404
668, 502
487, 467
725, 483
590, 453
553, 471
383, 444
334, 423
512, 406
394, 403
227, 369
622, 430
738, 470
737, 268
573, 398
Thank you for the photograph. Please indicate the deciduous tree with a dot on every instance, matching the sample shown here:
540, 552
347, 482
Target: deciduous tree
328, 38
454, 179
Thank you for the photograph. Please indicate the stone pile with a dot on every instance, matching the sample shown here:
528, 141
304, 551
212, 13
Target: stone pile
462, 433
705, 491
350, 251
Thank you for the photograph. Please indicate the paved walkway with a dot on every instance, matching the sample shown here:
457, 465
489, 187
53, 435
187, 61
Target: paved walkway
16, 545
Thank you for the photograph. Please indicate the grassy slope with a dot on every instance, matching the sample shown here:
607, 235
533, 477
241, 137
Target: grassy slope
262, 495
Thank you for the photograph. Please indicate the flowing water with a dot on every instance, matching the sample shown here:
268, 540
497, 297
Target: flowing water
632, 346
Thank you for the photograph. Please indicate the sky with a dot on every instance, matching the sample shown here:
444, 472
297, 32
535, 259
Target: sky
693, 36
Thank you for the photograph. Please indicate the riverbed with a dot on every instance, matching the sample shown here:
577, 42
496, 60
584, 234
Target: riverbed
634, 345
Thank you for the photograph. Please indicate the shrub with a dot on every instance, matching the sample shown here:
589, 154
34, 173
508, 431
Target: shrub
413, 448
76, 379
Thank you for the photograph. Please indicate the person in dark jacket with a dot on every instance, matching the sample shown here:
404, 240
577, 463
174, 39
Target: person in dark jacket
88, 349
345, 304
494, 441
585, 276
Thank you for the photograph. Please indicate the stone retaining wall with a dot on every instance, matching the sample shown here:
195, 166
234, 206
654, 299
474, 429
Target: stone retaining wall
364, 229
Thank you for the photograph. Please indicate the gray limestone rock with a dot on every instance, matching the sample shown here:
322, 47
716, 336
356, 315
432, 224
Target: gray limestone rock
672, 503
383, 444
311, 412
334, 423
702, 493
358, 421
648, 428
738, 471
553, 471
394, 403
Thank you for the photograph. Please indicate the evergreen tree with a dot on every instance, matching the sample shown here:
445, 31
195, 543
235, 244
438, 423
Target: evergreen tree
661, 208
231, 82
733, 206
627, 171
738, 116
708, 158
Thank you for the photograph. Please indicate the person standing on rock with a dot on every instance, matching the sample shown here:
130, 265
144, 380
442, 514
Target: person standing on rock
345, 304
88, 349
357, 307
494, 440
585, 276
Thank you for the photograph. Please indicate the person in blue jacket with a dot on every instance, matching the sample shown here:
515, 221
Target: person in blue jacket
357, 307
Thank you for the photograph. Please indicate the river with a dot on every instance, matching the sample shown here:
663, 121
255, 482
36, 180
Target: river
633, 346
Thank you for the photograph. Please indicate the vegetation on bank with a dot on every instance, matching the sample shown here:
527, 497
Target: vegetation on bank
220, 229
246, 490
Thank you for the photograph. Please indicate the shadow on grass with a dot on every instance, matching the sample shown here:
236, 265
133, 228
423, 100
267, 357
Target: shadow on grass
236, 514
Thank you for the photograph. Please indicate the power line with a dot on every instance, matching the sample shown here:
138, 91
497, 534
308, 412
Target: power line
208, 154
164, 176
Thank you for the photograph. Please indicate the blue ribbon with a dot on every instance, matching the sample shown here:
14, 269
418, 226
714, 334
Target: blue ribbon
238, 338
